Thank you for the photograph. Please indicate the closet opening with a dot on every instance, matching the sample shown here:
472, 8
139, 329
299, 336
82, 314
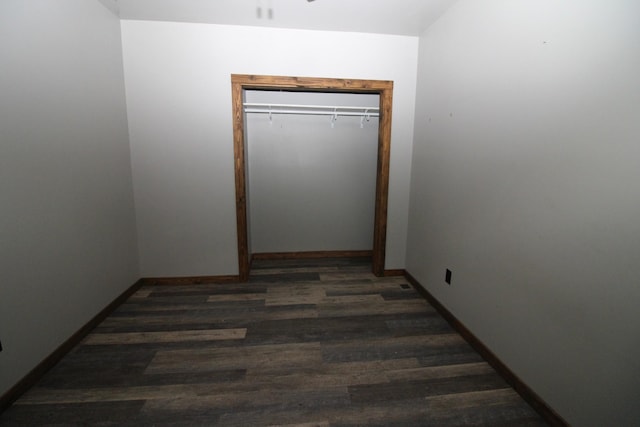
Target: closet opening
254, 85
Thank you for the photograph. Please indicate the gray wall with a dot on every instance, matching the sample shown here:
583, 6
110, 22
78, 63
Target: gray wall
311, 185
178, 81
525, 182
67, 228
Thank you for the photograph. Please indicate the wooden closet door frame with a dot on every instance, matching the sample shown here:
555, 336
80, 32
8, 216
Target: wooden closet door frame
384, 88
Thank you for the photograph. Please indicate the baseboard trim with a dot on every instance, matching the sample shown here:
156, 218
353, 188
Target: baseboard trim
189, 280
311, 254
531, 397
29, 380
394, 273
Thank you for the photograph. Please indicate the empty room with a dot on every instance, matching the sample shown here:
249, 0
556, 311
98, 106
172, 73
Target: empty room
320, 212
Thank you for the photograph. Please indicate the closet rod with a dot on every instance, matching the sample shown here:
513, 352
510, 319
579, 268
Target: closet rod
327, 110
312, 112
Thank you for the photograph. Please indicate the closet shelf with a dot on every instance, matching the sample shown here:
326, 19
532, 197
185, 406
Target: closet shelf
322, 110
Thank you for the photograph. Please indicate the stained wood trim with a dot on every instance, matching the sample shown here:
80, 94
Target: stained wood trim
531, 397
50, 361
394, 273
189, 280
310, 83
240, 174
311, 254
382, 181
384, 88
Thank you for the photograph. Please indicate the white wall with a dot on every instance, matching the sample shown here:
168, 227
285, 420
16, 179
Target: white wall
179, 104
311, 185
67, 227
525, 177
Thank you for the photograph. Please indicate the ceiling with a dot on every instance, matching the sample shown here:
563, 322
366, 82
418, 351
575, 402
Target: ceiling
402, 17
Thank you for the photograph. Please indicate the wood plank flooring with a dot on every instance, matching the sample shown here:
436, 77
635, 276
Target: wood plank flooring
305, 343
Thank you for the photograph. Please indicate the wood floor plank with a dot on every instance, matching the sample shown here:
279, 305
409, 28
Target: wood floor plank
294, 295
310, 424
369, 308
236, 297
72, 414
327, 375
286, 277
500, 406
283, 355
390, 348
402, 390
143, 292
434, 372
214, 316
429, 323
317, 329
473, 399
39, 396
156, 306
212, 288
360, 415
347, 275
127, 378
352, 285
258, 398
161, 337
352, 299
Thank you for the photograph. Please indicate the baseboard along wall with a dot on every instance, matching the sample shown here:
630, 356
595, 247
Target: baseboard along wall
531, 397
311, 254
50, 361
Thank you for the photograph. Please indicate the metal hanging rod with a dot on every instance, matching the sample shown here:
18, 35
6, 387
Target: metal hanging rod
324, 110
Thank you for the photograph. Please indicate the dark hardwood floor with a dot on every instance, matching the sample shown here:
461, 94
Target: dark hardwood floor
306, 342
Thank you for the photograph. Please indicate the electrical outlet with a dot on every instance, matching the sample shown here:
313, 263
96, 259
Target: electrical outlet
447, 277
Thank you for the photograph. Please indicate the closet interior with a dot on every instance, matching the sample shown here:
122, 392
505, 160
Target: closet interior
311, 164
